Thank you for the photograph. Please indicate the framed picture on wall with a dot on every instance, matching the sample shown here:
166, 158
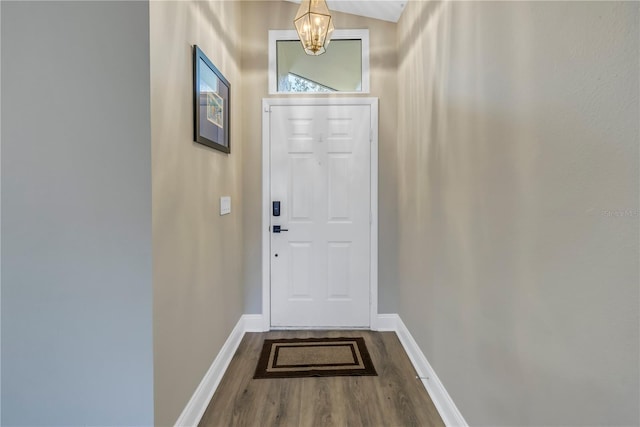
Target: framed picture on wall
211, 95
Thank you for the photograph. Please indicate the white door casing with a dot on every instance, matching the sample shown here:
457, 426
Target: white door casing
320, 162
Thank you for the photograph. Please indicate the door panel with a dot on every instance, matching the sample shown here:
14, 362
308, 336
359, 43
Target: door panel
300, 270
301, 188
320, 172
338, 283
338, 175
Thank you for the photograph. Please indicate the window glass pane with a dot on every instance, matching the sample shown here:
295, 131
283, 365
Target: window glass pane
339, 69
294, 83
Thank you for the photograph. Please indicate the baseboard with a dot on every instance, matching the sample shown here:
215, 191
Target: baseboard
200, 399
254, 323
387, 322
441, 399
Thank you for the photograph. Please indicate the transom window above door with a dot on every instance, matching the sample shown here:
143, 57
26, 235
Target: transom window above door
343, 68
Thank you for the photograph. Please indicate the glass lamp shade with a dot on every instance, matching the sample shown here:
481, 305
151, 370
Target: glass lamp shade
314, 26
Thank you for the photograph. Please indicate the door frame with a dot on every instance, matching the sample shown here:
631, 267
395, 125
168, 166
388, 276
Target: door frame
267, 103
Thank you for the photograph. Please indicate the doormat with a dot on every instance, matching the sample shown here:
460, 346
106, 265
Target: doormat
314, 357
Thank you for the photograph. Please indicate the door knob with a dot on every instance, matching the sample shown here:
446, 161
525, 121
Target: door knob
278, 229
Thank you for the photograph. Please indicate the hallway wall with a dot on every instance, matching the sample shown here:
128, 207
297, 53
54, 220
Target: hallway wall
258, 18
518, 206
76, 214
197, 254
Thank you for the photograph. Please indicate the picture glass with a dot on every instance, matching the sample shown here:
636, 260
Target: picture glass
213, 109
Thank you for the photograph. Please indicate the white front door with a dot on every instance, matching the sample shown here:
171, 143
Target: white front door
320, 174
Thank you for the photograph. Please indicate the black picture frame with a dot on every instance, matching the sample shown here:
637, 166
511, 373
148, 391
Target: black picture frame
211, 104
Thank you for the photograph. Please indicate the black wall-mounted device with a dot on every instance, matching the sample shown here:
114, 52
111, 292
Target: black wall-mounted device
276, 208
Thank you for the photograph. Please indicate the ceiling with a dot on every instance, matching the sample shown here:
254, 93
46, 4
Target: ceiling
386, 10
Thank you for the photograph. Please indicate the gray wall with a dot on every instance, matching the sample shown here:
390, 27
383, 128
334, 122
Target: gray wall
518, 179
76, 214
0, 217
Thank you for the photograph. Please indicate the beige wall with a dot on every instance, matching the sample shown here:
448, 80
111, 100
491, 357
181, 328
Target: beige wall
518, 206
197, 254
258, 18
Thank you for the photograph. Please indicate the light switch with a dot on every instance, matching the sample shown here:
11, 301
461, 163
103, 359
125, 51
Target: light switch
225, 205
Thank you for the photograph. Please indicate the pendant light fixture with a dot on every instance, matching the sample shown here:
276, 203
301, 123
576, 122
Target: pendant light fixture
314, 26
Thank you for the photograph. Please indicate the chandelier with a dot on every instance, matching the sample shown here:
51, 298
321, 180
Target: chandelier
314, 26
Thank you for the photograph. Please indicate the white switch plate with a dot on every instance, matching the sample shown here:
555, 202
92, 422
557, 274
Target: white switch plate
225, 205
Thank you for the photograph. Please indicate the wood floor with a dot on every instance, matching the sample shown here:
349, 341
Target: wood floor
393, 398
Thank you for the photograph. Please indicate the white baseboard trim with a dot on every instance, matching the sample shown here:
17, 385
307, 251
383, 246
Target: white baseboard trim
254, 323
441, 399
387, 322
200, 399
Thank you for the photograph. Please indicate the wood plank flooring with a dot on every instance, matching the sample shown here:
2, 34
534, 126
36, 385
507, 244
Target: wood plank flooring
393, 398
